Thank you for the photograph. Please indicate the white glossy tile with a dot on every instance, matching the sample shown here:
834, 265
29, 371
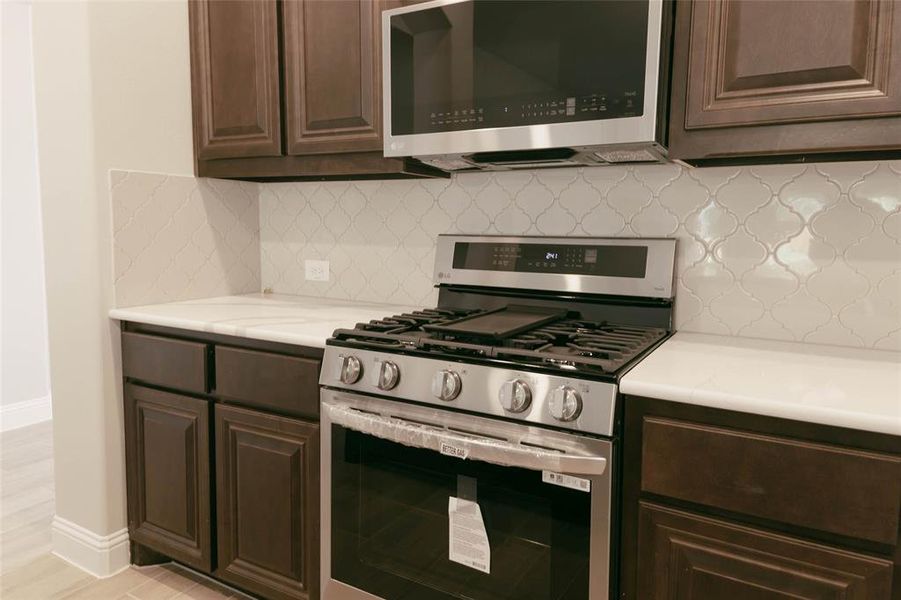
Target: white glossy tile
180, 237
805, 241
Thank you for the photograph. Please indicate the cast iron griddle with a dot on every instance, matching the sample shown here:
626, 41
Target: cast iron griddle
498, 324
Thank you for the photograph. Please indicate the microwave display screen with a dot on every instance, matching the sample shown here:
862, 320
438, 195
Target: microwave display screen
506, 63
606, 261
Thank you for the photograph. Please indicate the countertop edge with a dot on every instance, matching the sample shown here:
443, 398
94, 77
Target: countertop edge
762, 407
123, 314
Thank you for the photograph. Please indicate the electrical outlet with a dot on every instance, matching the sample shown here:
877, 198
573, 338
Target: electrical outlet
316, 270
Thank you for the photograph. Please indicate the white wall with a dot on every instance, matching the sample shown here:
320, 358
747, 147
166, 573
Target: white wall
25, 378
113, 91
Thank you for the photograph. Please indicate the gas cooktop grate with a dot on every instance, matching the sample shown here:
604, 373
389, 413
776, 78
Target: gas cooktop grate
569, 343
413, 321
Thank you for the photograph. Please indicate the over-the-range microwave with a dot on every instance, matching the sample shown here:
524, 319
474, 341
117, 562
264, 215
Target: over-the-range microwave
502, 84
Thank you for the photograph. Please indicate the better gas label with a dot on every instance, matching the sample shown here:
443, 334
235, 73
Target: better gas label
452, 450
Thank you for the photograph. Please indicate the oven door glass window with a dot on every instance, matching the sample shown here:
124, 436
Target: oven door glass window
390, 526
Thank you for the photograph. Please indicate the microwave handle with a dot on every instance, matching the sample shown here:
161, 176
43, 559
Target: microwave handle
463, 445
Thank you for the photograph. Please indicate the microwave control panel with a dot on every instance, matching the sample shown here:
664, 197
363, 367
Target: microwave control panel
513, 112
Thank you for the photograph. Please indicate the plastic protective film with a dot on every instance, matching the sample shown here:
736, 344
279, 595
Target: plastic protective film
460, 444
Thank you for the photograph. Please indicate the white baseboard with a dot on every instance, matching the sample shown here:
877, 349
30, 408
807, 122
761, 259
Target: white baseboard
99, 555
27, 412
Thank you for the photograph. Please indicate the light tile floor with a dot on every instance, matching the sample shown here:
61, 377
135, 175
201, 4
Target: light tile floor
51, 578
26, 494
27, 569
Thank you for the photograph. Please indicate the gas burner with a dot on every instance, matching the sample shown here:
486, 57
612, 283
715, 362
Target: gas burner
413, 321
371, 338
575, 344
451, 347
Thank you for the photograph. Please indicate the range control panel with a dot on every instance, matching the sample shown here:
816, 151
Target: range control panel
609, 260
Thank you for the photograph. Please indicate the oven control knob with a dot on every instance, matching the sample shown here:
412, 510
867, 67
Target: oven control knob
446, 385
351, 369
515, 396
564, 403
388, 376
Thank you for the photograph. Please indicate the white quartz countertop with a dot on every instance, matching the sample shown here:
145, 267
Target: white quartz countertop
845, 387
300, 320
830, 385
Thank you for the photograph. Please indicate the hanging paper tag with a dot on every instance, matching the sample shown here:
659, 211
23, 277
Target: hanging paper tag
567, 481
455, 451
468, 539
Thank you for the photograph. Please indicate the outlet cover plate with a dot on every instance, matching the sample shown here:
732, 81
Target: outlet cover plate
316, 270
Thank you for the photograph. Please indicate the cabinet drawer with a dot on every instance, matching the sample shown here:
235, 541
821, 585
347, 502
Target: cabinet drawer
163, 361
826, 488
284, 383
697, 558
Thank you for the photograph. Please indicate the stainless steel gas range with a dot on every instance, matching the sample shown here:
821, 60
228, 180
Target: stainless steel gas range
471, 450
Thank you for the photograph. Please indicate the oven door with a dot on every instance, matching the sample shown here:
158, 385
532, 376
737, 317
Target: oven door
428, 504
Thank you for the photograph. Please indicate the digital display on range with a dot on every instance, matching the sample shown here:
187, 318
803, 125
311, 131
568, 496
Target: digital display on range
607, 260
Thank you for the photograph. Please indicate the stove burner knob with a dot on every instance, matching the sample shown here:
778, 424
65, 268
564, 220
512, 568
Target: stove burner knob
515, 396
564, 403
446, 385
351, 369
389, 376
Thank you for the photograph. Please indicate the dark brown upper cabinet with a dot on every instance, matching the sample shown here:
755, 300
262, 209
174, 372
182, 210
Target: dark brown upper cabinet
757, 78
290, 89
235, 83
324, 112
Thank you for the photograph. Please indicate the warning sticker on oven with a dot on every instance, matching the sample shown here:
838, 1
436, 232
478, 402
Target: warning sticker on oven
567, 481
468, 539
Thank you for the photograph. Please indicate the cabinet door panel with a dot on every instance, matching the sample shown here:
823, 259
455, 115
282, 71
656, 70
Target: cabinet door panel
267, 471
167, 443
755, 78
756, 62
687, 557
234, 78
333, 76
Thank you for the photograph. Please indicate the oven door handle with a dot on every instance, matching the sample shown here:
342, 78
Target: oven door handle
463, 445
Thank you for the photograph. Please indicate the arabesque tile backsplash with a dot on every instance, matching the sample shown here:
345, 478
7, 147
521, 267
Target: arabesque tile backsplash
178, 238
797, 252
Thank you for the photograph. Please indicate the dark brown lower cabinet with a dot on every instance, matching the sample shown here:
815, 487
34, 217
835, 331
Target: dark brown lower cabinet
168, 475
723, 505
267, 472
689, 557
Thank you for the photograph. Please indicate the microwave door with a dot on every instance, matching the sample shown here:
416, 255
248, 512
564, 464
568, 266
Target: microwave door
462, 77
